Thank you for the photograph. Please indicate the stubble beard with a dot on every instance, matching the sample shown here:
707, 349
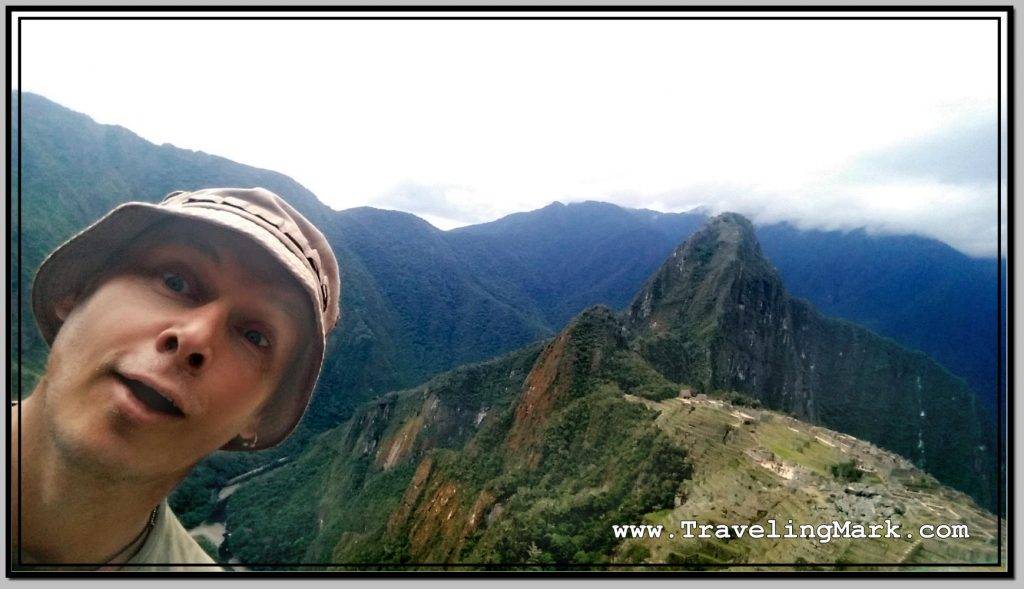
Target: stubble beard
73, 443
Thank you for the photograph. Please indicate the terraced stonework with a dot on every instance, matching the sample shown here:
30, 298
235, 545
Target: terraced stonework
752, 465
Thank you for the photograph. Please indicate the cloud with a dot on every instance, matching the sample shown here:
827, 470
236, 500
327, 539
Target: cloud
961, 154
960, 215
941, 184
446, 206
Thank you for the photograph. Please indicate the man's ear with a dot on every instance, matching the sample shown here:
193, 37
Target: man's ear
65, 305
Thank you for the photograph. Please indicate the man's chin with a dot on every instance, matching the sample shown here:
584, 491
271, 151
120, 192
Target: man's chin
116, 459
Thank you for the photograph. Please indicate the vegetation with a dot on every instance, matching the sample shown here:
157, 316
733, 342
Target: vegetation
636, 377
598, 462
343, 486
289, 496
740, 399
601, 463
846, 471
921, 293
208, 547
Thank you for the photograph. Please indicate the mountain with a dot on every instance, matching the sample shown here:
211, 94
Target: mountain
920, 292
491, 463
566, 258
446, 313
693, 404
915, 290
717, 317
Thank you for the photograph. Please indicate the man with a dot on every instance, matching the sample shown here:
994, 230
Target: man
175, 330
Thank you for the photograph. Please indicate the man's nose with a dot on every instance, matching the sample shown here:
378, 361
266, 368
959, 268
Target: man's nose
193, 337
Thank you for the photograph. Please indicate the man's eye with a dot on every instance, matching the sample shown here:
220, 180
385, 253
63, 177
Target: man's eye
176, 283
256, 338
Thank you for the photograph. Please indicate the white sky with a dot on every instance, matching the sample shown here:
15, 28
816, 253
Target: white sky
889, 125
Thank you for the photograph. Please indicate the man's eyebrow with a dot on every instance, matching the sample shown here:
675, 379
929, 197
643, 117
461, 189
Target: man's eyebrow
197, 244
285, 302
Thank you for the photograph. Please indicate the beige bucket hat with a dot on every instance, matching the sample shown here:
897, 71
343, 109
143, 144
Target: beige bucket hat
256, 213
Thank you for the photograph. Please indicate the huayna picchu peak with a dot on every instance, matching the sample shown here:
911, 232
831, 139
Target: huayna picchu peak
716, 317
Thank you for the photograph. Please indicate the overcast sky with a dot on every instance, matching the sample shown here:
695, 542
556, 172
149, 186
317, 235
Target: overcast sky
834, 124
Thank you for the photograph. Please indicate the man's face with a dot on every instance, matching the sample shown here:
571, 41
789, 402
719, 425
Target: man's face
174, 351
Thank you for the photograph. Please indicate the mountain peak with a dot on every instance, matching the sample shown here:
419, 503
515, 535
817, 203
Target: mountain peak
730, 218
731, 233
716, 317
565, 368
702, 275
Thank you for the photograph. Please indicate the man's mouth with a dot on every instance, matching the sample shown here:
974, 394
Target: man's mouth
151, 398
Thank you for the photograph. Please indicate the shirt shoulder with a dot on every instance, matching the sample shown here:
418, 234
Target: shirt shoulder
170, 548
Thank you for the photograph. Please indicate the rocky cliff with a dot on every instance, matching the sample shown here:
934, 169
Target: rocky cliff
716, 317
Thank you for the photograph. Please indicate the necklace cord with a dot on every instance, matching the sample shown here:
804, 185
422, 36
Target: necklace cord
140, 539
